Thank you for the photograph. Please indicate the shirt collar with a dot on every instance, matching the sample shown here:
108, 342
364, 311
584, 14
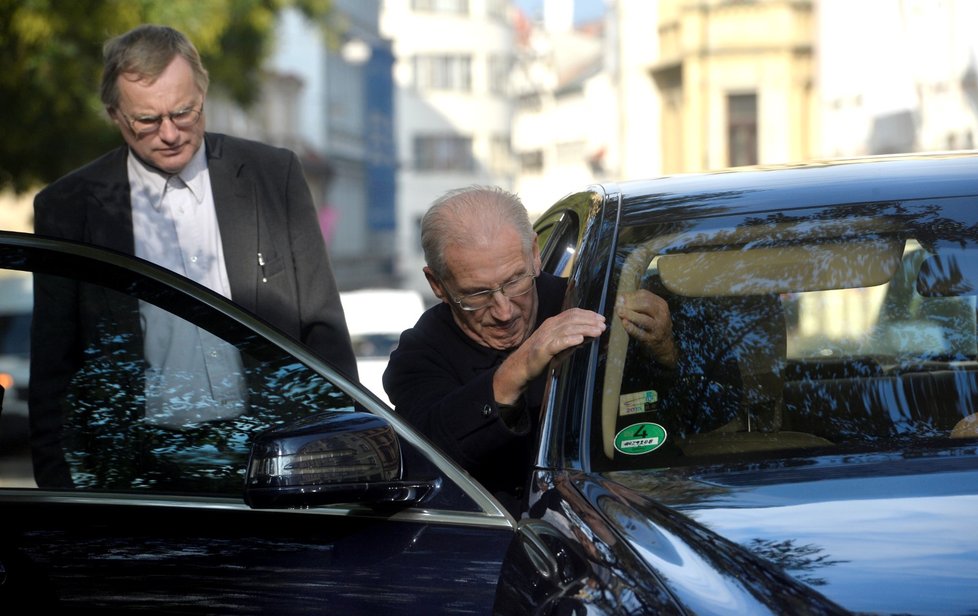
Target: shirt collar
193, 173
155, 181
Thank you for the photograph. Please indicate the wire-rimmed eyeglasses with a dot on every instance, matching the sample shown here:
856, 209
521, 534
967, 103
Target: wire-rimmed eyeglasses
514, 288
147, 124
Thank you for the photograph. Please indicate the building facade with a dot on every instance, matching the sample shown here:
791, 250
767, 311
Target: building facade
331, 101
736, 82
909, 83
453, 110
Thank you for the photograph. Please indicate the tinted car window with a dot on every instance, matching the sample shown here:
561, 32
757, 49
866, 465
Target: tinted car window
158, 402
802, 330
559, 244
15, 315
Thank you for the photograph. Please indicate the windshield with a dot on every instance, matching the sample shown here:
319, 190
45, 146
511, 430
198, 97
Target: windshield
821, 328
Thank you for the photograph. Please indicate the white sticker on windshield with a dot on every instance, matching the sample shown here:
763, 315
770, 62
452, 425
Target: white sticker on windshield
638, 402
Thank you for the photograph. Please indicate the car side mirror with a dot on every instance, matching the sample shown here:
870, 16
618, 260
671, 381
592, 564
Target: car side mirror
330, 458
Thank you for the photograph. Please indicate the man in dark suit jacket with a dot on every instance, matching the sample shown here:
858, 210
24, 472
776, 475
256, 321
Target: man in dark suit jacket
234, 215
469, 375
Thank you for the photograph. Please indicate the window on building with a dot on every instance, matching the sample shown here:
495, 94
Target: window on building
443, 153
443, 72
532, 161
742, 129
455, 7
571, 153
500, 155
529, 102
499, 69
496, 9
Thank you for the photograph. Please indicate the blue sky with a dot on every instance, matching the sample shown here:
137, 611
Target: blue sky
584, 10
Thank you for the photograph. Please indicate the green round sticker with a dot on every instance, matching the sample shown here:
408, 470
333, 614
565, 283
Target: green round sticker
640, 438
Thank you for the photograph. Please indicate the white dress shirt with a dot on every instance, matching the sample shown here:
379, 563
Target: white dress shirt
192, 376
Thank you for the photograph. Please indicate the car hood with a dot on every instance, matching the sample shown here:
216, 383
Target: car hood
871, 533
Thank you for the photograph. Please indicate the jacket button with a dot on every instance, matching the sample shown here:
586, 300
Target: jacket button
486, 410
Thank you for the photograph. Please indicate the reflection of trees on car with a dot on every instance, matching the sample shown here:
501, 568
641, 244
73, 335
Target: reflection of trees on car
799, 560
110, 440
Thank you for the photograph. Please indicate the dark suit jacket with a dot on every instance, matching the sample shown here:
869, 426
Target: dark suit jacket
263, 205
440, 380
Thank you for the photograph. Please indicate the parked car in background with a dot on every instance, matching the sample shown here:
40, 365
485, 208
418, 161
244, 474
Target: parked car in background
376, 318
813, 450
15, 337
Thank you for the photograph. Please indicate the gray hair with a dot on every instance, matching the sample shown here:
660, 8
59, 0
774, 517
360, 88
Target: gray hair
465, 215
146, 51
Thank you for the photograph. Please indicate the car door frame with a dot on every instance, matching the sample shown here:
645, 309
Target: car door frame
85, 549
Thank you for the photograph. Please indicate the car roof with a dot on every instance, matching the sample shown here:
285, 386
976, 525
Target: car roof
781, 187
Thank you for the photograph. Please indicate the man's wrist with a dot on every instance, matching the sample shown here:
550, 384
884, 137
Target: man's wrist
506, 386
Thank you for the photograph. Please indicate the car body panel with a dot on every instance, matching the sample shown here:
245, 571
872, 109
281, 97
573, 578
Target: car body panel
875, 533
232, 560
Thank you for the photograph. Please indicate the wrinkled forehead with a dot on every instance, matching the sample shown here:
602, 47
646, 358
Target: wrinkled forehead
487, 264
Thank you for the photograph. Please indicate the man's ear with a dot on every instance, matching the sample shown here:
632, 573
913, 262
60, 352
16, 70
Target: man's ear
435, 284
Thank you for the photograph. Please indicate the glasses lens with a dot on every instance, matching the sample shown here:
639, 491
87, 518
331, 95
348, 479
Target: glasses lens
476, 301
520, 286
144, 126
513, 288
185, 119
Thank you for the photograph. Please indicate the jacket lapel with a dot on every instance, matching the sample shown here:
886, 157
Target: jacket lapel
109, 211
236, 205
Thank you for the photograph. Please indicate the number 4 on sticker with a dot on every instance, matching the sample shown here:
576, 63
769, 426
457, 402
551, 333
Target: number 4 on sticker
640, 438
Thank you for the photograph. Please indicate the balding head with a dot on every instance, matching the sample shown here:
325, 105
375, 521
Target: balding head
471, 217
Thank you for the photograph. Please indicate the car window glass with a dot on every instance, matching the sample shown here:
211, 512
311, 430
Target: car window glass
153, 401
15, 328
892, 320
794, 333
15, 315
559, 245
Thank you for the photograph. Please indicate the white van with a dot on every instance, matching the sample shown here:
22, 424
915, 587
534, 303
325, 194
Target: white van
376, 318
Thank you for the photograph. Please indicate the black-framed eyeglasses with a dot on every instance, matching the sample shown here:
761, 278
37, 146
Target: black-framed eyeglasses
514, 288
147, 124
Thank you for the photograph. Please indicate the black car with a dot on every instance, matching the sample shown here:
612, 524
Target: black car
812, 450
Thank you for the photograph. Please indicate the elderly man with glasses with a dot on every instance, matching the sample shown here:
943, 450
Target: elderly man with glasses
236, 216
469, 374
